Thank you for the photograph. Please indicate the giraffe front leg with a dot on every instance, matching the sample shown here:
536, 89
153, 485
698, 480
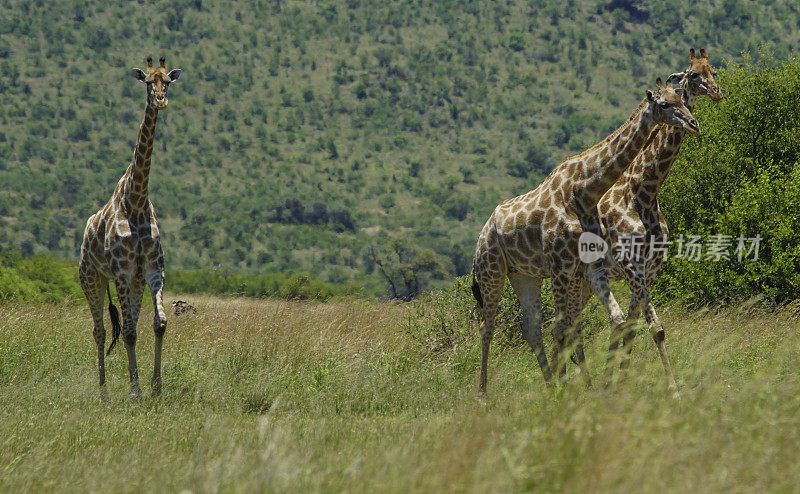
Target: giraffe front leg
563, 325
628, 332
155, 280
598, 279
580, 294
634, 277
130, 291
659, 337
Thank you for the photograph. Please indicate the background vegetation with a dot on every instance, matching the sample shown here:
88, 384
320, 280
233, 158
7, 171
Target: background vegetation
306, 136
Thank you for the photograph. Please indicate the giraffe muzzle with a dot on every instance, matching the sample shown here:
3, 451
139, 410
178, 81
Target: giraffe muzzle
692, 126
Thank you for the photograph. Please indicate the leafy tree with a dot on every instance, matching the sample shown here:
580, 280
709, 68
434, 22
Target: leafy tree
406, 268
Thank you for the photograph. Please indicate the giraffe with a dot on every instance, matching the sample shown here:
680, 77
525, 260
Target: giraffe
630, 207
122, 243
535, 235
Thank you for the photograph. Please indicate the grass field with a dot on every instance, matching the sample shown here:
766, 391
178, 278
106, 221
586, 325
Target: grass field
342, 396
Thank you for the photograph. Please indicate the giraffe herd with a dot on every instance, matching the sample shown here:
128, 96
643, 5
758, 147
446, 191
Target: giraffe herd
609, 190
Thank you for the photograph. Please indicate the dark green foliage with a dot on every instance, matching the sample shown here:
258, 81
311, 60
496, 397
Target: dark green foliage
37, 278
741, 177
447, 108
407, 269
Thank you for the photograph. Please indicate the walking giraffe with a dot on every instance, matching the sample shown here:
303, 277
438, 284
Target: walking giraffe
122, 243
535, 235
631, 209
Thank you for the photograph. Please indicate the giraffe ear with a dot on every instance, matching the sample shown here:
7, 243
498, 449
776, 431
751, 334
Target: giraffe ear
138, 74
174, 74
650, 97
676, 78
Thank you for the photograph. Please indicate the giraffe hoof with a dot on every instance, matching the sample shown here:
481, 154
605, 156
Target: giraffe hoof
103, 394
135, 394
481, 397
155, 387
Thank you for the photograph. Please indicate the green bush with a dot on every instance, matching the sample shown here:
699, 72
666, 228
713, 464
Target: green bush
37, 278
740, 178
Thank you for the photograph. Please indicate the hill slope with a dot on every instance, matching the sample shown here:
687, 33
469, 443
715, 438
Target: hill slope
303, 132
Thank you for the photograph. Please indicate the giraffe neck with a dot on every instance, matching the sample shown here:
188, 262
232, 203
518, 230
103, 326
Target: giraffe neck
647, 178
604, 164
138, 173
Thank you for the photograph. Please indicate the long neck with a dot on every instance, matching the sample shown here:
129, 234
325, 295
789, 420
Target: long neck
138, 173
653, 172
604, 163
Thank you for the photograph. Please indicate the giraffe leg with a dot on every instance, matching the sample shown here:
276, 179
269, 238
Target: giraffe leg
562, 326
489, 276
491, 298
634, 277
598, 279
94, 287
580, 289
528, 291
130, 290
656, 328
629, 332
155, 280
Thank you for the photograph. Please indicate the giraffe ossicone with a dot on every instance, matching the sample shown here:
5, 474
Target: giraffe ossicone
122, 243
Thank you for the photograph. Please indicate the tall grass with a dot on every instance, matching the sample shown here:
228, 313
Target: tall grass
347, 395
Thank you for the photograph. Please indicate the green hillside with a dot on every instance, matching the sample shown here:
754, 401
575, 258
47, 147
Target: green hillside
314, 136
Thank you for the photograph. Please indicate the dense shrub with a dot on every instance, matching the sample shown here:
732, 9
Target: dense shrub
37, 278
740, 178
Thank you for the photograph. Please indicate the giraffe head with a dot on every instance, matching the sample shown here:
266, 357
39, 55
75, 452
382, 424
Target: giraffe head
157, 80
668, 108
699, 77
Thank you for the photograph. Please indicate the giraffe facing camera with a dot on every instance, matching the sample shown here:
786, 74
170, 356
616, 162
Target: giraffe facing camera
122, 243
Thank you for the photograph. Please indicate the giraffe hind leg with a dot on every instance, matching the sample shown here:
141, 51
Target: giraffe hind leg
93, 285
490, 286
529, 293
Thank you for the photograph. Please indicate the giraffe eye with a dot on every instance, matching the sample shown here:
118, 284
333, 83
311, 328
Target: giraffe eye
664, 105
694, 75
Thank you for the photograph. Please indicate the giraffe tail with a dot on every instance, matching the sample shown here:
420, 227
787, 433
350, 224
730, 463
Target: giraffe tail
115, 324
476, 289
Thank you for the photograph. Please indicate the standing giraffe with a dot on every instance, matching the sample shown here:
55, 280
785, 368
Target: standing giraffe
630, 208
122, 243
535, 235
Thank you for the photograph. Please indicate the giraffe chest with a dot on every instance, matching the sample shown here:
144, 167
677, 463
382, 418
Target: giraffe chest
132, 242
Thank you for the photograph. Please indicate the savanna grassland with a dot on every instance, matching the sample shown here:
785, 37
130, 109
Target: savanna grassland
349, 395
